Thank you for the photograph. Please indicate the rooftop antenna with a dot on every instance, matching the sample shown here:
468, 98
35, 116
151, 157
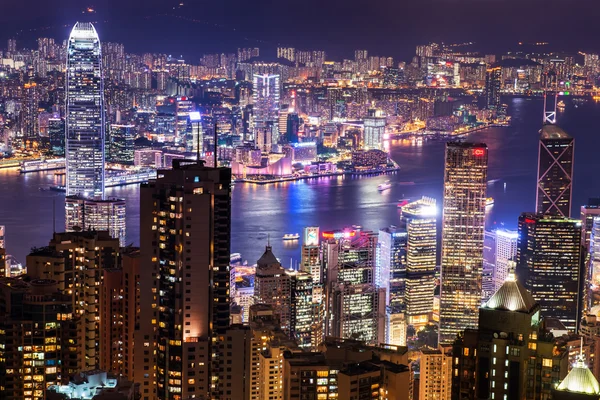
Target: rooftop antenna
268, 239
54, 215
550, 115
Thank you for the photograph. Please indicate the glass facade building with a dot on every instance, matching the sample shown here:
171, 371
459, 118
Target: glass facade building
99, 215
85, 113
121, 143
465, 182
549, 264
555, 171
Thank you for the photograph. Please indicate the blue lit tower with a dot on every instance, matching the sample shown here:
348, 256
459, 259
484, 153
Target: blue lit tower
266, 94
85, 113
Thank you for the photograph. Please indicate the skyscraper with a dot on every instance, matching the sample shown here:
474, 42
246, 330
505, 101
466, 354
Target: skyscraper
555, 171
374, 131
506, 251
185, 217
419, 220
493, 80
121, 143
266, 92
100, 215
549, 264
465, 181
390, 272
85, 113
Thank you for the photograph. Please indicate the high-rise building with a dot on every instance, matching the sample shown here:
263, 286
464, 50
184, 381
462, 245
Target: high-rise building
121, 142
493, 82
390, 272
419, 220
355, 305
465, 182
549, 264
292, 127
266, 92
489, 265
185, 236
272, 287
310, 258
592, 262
183, 127
435, 378
77, 261
506, 252
85, 113
374, 127
83, 214
56, 133
555, 171
588, 212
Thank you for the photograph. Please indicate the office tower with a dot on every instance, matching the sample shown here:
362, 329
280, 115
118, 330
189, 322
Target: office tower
272, 287
419, 220
465, 181
77, 261
489, 264
183, 128
310, 257
282, 122
185, 217
509, 342
588, 212
355, 306
555, 171
56, 133
304, 311
96, 215
435, 378
374, 127
506, 252
36, 322
121, 144
85, 113
390, 272
292, 127
549, 264
592, 265
265, 94
493, 84
30, 127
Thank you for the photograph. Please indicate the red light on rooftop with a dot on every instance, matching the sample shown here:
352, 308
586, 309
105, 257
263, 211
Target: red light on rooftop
478, 152
529, 221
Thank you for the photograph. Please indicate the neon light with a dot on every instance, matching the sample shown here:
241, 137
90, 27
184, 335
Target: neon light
478, 152
529, 221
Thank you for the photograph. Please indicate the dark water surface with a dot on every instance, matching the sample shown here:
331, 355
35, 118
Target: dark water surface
262, 211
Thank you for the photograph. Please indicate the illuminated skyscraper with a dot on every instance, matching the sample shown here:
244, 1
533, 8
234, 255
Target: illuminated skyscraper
493, 80
549, 264
555, 171
266, 92
588, 212
185, 219
465, 181
56, 132
374, 131
390, 272
100, 215
85, 113
419, 220
121, 141
506, 251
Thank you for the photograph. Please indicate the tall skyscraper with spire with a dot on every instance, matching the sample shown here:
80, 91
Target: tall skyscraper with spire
465, 182
85, 113
555, 171
85, 205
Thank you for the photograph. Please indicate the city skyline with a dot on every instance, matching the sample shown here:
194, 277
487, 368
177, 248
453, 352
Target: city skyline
387, 184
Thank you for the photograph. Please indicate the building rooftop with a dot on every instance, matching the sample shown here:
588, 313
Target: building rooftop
267, 260
512, 296
549, 131
580, 380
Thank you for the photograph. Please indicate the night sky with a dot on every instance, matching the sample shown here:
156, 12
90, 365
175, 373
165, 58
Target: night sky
389, 27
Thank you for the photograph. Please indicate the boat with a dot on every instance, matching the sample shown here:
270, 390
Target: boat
402, 203
406, 183
384, 186
291, 236
489, 202
561, 105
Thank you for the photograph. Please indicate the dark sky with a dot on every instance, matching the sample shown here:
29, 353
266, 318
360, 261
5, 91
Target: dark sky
384, 27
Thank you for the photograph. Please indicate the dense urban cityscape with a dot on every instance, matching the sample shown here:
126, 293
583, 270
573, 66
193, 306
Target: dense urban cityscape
147, 296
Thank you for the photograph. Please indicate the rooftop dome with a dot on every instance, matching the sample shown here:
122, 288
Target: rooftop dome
512, 296
580, 380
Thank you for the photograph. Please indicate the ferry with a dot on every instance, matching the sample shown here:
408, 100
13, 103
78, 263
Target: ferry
561, 105
489, 202
384, 186
291, 236
42, 165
